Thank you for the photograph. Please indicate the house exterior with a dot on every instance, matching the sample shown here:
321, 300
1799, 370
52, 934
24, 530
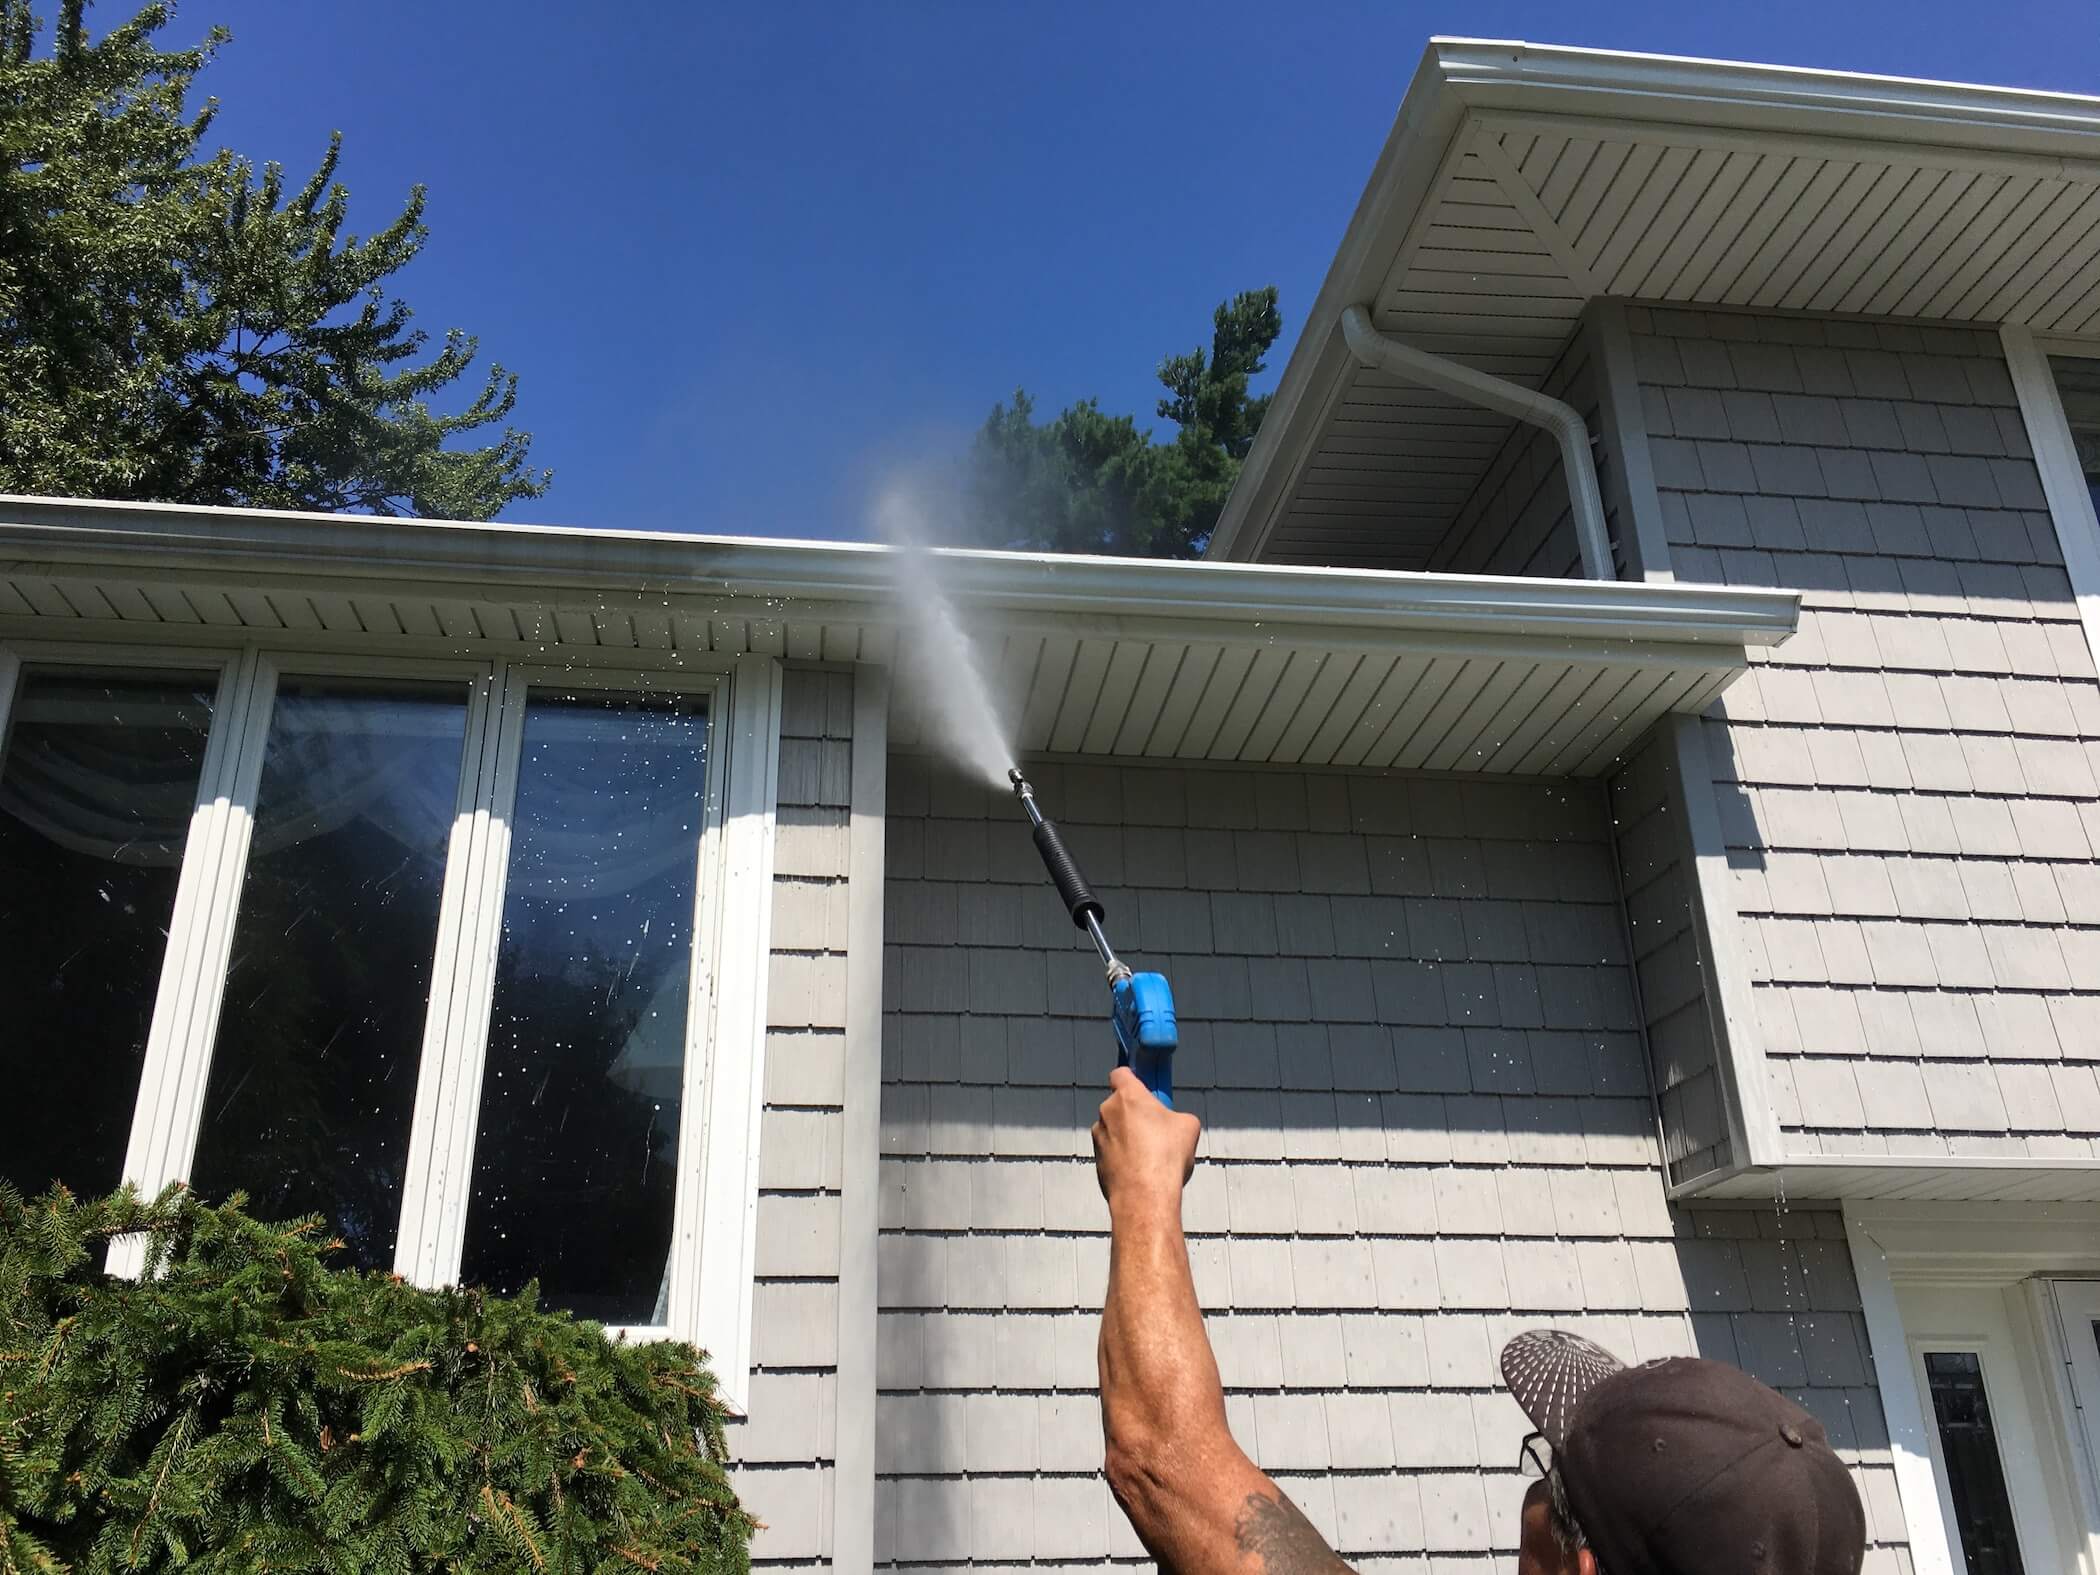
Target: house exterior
1626, 860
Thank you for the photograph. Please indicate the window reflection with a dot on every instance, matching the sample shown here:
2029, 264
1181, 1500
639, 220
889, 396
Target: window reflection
2078, 386
576, 1149
313, 1074
98, 782
1975, 1474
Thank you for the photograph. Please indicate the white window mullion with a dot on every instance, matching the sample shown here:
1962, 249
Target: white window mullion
200, 933
448, 1089
713, 1309
414, 1247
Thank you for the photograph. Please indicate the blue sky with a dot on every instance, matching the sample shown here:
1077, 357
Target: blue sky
749, 259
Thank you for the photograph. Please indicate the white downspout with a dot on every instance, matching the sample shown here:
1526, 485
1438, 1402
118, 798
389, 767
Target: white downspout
1512, 399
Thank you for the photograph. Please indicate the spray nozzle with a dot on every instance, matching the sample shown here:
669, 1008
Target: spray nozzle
1026, 795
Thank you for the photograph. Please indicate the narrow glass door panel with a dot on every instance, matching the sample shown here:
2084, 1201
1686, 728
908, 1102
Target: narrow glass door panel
2078, 1304
97, 789
576, 1151
313, 1075
1969, 1447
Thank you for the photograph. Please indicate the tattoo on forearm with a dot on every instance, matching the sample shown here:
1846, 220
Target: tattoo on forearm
1277, 1531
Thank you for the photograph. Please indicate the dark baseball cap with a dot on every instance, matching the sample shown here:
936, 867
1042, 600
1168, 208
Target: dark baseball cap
1684, 1466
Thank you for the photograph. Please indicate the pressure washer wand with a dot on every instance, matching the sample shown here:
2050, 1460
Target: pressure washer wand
1141, 1005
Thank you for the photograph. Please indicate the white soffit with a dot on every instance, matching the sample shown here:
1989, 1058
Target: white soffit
1187, 661
1522, 180
1929, 1178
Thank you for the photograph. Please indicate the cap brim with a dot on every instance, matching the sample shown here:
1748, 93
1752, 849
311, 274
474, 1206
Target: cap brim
1550, 1372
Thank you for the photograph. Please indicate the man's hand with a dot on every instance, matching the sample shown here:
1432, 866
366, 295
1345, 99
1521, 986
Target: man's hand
1143, 1152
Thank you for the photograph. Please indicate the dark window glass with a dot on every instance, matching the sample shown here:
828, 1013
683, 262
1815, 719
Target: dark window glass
1975, 1474
97, 787
313, 1075
2078, 385
576, 1151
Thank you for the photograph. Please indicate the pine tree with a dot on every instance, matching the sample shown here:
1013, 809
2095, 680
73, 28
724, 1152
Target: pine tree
242, 1407
184, 328
1086, 481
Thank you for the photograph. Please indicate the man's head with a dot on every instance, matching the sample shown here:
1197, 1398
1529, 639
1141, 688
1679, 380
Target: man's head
1677, 1467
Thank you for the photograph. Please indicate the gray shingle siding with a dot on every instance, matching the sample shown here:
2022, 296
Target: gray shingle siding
1409, 1024
1908, 786
1657, 879
786, 1446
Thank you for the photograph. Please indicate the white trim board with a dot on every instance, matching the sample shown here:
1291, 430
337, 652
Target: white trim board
853, 1475
736, 1051
2063, 481
1902, 1405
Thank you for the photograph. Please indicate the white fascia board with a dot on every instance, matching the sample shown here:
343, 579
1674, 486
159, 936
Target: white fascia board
856, 580
1684, 90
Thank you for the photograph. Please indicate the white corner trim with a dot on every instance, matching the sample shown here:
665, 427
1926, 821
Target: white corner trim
729, 1133
2063, 482
1753, 1127
853, 1474
1625, 425
1902, 1407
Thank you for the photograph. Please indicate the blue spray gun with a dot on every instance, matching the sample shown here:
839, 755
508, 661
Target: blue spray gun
1141, 1005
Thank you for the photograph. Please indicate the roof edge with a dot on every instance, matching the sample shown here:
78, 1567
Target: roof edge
489, 561
1639, 86
1458, 75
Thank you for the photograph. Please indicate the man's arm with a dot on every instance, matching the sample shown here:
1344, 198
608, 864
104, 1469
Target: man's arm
1198, 1503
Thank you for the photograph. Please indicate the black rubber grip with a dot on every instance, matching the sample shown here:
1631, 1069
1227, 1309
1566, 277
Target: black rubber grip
1079, 898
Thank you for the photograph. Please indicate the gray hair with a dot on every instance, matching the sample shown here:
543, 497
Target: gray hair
1560, 1517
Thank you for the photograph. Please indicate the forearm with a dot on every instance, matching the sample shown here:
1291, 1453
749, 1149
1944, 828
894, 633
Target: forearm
1170, 1450
1199, 1504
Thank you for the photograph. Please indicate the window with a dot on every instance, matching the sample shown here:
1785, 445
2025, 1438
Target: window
98, 783
2078, 388
577, 1145
434, 949
313, 1068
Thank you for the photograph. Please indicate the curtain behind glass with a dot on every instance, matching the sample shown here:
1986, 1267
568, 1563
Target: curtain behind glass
97, 787
313, 1074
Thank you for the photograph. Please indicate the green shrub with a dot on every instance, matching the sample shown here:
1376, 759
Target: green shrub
242, 1407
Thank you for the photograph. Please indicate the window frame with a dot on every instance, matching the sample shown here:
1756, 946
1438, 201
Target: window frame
714, 1233
176, 995
2064, 487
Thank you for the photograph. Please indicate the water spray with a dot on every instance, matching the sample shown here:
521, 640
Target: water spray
1141, 1005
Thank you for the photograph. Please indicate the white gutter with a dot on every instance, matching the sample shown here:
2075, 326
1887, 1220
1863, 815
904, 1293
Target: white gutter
497, 561
1510, 399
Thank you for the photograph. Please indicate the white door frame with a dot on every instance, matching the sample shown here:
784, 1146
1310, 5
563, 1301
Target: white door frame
1976, 1319
1901, 1248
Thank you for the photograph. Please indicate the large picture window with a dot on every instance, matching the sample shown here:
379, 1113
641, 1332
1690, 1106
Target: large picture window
430, 949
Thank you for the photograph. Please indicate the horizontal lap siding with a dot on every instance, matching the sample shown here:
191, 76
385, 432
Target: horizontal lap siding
1908, 786
1409, 1024
786, 1447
